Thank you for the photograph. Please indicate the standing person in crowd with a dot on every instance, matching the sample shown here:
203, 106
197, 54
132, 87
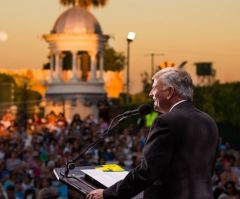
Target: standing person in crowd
228, 174
180, 149
231, 190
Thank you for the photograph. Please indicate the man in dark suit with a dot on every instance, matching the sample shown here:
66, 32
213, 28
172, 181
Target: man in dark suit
179, 153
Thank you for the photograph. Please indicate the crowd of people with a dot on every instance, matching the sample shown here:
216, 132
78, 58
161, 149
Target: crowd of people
28, 157
226, 176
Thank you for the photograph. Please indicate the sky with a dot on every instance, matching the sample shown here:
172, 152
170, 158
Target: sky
192, 30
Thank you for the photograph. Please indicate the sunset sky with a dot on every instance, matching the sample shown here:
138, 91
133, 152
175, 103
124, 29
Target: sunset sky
192, 30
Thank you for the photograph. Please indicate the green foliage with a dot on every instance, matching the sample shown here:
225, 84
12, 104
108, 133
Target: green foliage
221, 101
30, 96
141, 98
84, 3
5, 79
146, 83
7, 85
11, 93
113, 61
26, 100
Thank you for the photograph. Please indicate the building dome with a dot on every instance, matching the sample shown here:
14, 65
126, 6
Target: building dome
77, 20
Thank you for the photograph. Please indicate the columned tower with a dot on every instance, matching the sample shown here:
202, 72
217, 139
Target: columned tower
78, 35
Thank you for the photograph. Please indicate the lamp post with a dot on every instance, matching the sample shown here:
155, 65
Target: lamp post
130, 38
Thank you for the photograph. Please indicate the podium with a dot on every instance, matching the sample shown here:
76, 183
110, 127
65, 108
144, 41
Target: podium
86, 179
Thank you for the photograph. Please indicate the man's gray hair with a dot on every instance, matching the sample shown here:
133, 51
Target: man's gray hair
179, 79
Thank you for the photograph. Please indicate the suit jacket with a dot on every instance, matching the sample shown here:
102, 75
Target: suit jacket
178, 158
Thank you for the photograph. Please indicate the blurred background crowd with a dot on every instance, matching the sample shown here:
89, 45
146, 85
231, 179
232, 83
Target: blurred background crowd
28, 156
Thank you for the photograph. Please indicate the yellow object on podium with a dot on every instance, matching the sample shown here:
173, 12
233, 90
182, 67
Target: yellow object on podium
110, 167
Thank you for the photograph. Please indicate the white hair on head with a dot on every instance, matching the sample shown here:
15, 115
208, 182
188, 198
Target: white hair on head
179, 79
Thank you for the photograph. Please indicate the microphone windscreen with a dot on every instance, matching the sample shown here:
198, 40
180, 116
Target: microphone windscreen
144, 109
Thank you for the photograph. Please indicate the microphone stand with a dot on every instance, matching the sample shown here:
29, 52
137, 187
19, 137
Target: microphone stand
70, 165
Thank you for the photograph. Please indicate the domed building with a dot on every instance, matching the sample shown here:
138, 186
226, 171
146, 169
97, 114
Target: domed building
76, 42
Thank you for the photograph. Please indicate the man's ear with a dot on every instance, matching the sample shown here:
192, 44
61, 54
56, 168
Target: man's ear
170, 93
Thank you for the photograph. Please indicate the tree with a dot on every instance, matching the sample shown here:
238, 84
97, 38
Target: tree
84, 3
221, 101
7, 89
14, 90
6, 79
113, 60
146, 83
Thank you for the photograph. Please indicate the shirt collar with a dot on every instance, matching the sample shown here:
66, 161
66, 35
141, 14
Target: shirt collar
176, 104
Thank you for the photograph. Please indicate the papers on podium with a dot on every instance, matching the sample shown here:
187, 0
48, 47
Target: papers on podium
79, 182
106, 178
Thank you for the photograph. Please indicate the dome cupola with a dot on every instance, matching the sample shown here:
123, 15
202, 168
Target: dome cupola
76, 20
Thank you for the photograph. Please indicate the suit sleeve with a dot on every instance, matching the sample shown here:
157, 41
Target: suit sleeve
157, 155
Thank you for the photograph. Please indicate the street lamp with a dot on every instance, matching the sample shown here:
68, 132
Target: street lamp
130, 38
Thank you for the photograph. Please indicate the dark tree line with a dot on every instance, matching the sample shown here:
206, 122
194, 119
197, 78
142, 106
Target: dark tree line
14, 94
221, 101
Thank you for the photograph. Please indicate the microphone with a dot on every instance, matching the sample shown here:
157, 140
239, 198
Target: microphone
143, 109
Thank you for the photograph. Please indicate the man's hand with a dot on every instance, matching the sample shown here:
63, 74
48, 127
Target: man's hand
95, 194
